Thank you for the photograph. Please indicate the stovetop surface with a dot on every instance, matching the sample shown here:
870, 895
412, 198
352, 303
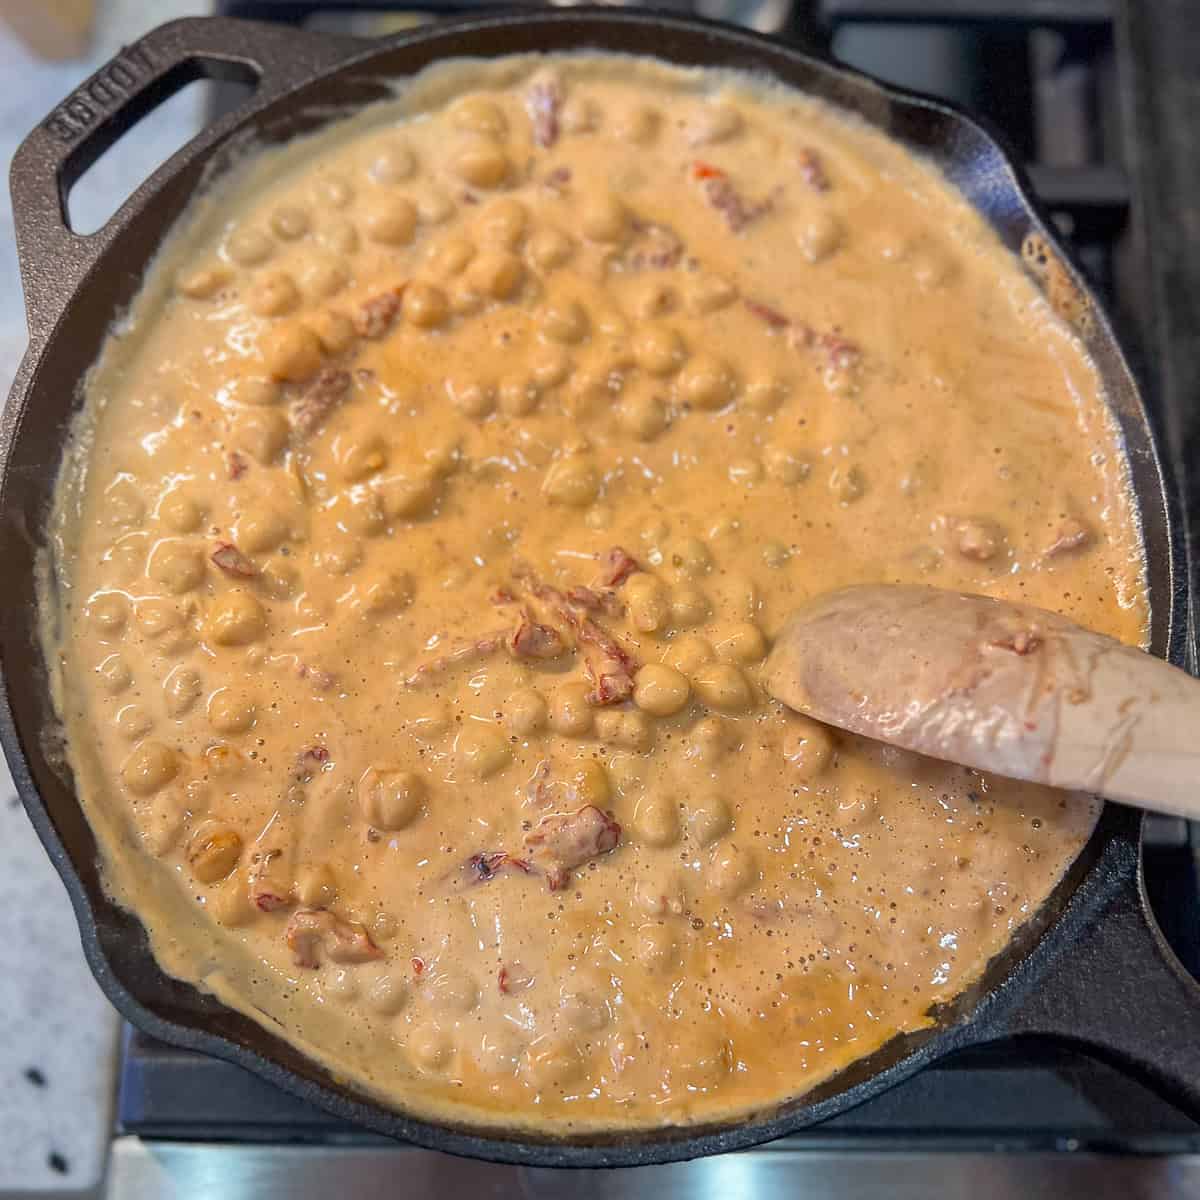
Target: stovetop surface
1095, 96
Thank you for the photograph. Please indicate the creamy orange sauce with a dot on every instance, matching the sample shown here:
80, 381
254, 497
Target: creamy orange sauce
421, 542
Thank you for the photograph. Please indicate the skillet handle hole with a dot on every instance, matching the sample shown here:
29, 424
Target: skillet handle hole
95, 179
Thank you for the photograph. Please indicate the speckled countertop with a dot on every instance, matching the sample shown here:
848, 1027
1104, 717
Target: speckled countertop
58, 1053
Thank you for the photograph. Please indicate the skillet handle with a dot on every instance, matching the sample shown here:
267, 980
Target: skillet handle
1120, 995
54, 258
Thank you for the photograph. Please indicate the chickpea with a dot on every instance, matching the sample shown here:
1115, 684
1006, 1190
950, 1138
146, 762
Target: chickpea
472, 397
213, 852
579, 115
223, 760
389, 797
656, 947
518, 397
979, 541
338, 556
742, 642
387, 592
745, 472
333, 191
660, 690
652, 298
658, 351
133, 721
482, 750
706, 383
393, 164
230, 711
708, 819
690, 557
551, 1063
566, 323
775, 554
639, 125
109, 613
642, 414
724, 687
425, 305
384, 926
656, 821
274, 295
260, 530
808, 746
731, 870
257, 391
291, 352
819, 236
320, 279
392, 221
158, 618
124, 506
847, 483
432, 722
587, 782
360, 511
549, 366
764, 396
715, 122
706, 294
689, 605
648, 603
115, 674
429, 1048
629, 730
177, 565
316, 886
249, 247
481, 165
450, 257
230, 904
584, 1008
785, 465
502, 223
386, 995
339, 236
570, 713
689, 652
604, 219
496, 273
574, 481
149, 768
289, 222
236, 619
263, 432
477, 114
181, 689
279, 579
202, 284
434, 206
526, 711
711, 739
548, 248
334, 330
699, 1063
179, 512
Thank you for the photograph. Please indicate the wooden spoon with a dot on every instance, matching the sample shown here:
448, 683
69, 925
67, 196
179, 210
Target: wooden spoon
998, 686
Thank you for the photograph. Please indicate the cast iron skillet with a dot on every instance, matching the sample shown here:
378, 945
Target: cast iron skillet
1091, 969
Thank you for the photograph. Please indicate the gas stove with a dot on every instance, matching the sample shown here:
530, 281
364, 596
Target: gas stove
1099, 98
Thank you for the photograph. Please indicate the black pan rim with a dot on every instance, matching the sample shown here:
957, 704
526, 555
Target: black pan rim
658, 1146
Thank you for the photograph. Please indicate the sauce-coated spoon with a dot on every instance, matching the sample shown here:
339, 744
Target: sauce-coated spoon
998, 686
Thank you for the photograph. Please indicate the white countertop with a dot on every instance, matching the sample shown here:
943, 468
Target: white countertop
58, 1053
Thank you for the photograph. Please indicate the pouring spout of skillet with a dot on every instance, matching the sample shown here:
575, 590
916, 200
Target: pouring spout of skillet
1002, 687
